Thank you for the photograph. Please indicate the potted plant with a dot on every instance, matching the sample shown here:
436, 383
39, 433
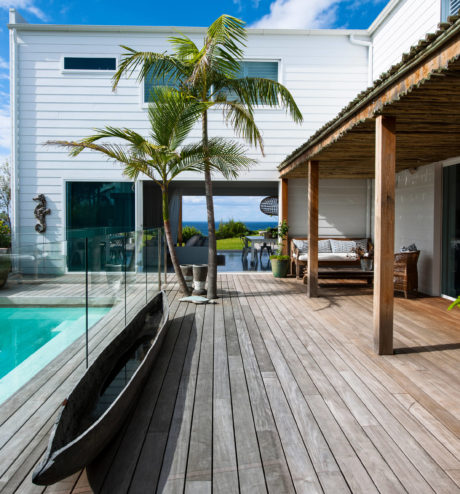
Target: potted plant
280, 265
365, 257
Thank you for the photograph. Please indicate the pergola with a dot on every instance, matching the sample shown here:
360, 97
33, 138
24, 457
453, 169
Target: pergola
408, 118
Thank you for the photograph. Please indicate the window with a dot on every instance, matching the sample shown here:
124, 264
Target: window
90, 63
449, 7
454, 7
151, 82
100, 211
264, 70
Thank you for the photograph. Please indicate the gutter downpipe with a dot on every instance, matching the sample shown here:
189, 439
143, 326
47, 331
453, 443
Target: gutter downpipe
370, 56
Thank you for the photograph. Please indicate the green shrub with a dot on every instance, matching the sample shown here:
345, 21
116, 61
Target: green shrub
231, 229
5, 235
188, 232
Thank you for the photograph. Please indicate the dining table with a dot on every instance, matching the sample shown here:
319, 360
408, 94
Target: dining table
251, 242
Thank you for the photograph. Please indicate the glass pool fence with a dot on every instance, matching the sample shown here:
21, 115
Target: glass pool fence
74, 295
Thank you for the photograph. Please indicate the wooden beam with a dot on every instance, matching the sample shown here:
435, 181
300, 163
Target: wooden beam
385, 166
179, 228
312, 266
284, 216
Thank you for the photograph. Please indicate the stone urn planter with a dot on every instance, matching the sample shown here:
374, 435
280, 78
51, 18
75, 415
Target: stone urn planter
5, 266
200, 273
280, 265
187, 271
367, 264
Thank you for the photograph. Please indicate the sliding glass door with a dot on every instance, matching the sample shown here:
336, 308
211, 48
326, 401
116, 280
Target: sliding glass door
451, 231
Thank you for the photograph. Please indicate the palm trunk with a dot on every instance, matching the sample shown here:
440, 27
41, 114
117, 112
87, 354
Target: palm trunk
212, 245
169, 241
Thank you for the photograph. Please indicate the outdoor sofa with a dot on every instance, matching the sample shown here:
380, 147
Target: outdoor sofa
331, 252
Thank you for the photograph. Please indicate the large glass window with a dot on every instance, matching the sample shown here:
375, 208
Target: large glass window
451, 231
95, 209
264, 70
89, 63
150, 82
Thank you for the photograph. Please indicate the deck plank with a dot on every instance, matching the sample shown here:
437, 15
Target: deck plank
268, 391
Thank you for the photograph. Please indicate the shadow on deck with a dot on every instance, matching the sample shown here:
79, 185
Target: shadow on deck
269, 391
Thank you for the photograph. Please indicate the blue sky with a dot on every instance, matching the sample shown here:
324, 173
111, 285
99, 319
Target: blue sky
289, 14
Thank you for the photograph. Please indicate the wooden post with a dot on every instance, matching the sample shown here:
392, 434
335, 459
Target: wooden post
284, 210
385, 166
312, 267
179, 228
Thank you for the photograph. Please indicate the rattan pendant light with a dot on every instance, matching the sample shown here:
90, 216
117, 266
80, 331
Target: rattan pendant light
269, 206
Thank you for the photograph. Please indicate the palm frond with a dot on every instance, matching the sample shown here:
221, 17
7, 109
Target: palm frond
151, 66
172, 115
184, 48
253, 91
241, 119
228, 157
139, 144
222, 50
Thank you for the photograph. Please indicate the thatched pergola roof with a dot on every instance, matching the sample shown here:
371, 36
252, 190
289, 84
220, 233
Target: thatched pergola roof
422, 92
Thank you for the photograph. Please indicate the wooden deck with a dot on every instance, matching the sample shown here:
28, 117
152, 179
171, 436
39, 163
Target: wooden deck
269, 391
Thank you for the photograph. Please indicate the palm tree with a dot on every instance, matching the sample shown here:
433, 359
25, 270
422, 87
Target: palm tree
172, 115
211, 76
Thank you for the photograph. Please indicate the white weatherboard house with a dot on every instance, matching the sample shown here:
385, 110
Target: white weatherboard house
61, 89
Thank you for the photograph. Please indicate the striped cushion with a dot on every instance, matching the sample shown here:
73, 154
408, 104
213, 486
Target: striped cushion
362, 243
302, 245
324, 246
342, 246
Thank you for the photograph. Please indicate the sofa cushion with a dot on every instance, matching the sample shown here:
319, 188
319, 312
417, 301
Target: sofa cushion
302, 245
342, 246
330, 256
324, 246
363, 244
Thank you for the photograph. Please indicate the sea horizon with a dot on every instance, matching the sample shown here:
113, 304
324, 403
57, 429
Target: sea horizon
202, 226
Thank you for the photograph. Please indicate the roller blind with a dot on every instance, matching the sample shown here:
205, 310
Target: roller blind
454, 7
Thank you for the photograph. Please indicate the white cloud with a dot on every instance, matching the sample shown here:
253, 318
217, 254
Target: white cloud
26, 5
4, 64
299, 14
5, 128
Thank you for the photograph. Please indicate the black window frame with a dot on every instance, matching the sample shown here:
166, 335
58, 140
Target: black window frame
92, 67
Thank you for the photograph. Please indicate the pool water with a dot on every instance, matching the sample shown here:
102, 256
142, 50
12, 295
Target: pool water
30, 337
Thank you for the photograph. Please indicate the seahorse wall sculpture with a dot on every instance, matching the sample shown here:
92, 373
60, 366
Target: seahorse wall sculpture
40, 213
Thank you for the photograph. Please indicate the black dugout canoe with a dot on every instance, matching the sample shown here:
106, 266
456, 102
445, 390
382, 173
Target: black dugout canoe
104, 396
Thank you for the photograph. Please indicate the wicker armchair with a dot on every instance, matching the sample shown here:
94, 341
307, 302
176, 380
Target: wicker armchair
405, 273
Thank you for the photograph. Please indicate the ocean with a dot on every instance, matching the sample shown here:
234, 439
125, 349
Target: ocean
251, 225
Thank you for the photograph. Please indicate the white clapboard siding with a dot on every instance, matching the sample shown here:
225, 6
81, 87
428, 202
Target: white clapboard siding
342, 207
407, 23
415, 220
323, 72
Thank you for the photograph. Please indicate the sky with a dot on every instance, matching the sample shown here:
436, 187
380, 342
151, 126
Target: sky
225, 208
286, 14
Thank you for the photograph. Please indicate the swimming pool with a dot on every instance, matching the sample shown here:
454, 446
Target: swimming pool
30, 337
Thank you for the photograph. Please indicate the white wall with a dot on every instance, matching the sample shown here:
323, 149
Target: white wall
342, 207
322, 71
417, 221
403, 27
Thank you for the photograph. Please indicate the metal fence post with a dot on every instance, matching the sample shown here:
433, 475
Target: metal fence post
124, 266
86, 301
159, 258
165, 259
